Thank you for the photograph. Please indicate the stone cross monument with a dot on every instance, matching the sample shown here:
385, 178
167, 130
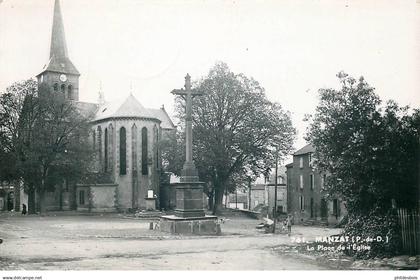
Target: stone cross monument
189, 193
189, 215
189, 172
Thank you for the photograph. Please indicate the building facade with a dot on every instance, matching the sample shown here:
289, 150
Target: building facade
305, 192
124, 135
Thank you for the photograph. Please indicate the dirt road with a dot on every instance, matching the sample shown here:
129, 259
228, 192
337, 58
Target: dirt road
115, 243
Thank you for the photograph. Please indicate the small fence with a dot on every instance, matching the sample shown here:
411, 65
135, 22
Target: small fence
409, 222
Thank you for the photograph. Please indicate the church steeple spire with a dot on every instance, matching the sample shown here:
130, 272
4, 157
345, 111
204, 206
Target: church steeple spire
58, 39
59, 74
59, 59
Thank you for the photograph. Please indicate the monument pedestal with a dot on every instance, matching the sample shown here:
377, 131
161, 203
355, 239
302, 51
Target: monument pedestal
189, 199
150, 203
206, 225
189, 215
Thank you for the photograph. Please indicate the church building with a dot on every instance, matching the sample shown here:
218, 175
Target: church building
124, 135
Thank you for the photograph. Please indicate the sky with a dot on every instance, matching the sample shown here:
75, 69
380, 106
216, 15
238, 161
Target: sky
292, 48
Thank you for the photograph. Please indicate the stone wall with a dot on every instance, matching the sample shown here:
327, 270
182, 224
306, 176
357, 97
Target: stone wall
96, 198
103, 198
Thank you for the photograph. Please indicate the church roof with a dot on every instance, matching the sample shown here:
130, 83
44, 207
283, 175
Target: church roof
59, 60
130, 108
162, 115
86, 108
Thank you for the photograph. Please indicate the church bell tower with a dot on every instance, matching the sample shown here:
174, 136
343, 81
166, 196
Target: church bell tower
59, 74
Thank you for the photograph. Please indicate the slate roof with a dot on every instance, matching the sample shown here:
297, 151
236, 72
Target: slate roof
162, 115
86, 108
289, 165
60, 65
131, 107
305, 150
59, 59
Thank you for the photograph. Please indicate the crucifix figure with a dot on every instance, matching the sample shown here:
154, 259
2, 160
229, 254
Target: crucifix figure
189, 172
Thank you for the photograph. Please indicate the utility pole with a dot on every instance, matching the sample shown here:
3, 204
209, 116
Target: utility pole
275, 192
236, 197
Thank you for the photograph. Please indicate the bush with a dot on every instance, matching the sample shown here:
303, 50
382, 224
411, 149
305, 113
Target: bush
369, 228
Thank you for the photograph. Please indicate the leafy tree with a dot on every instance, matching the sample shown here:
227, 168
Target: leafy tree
49, 140
235, 130
173, 154
12, 103
371, 152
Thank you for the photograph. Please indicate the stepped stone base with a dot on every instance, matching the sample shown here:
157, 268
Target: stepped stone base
206, 225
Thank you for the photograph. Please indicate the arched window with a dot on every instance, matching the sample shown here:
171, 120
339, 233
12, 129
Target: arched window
144, 169
94, 139
134, 147
106, 151
55, 87
110, 147
70, 92
63, 89
123, 151
156, 136
100, 144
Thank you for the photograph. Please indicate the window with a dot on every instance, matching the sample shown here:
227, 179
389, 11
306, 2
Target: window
66, 185
335, 208
94, 140
310, 159
82, 197
134, 147
301, 181
123, 152
302, 203
106, 151
301, 162
144, 169
323, 179
312, 207
100, 144
156, 135
70, 92
63, 89
55, 87
311, 180
324, 208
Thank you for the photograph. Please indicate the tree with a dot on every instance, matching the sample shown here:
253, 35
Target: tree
371, 152
235, 130
51, 142
173, 156
12, 103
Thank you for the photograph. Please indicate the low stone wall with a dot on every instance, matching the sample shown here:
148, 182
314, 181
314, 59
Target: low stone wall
207, 225
252, 214
97, 198
103, 198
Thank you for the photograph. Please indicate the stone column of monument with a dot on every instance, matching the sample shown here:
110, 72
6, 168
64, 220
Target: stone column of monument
189, 215
189, 193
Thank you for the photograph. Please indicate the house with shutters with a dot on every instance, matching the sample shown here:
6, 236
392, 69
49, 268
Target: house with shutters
306, 198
